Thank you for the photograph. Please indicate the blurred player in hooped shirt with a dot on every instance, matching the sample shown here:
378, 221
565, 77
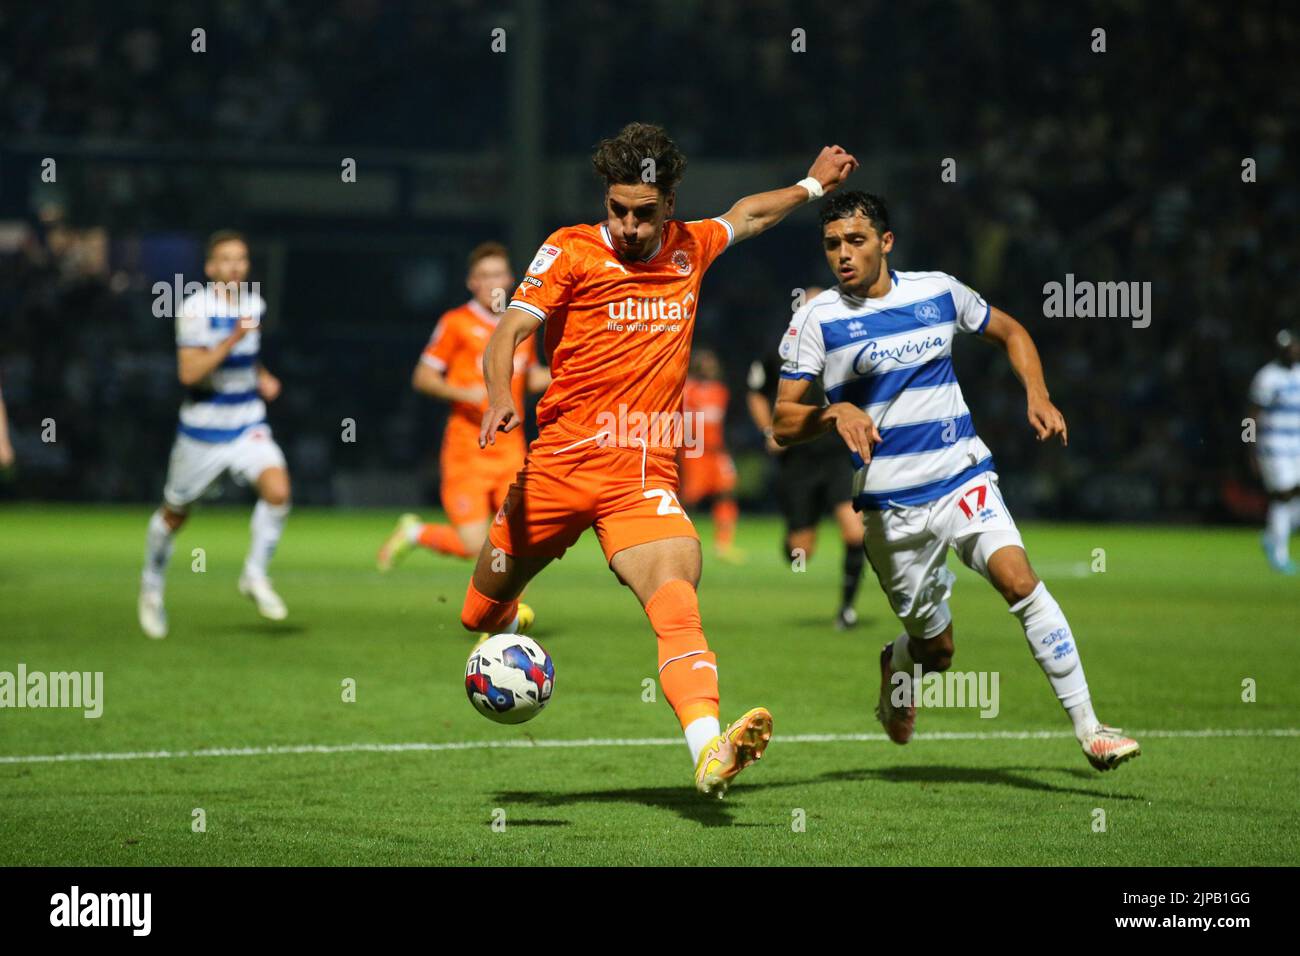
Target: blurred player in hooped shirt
707, 469
474, 480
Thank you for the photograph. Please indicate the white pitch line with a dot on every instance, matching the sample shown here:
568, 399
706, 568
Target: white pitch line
595, 742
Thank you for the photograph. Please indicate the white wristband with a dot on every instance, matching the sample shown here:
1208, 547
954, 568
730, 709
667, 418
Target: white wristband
814, 187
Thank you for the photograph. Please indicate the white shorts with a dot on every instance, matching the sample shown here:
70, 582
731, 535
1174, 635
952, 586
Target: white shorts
1279, 473
908, 549
197, 464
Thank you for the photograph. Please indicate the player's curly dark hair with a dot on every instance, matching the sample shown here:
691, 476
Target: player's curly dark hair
621, 159
853, 203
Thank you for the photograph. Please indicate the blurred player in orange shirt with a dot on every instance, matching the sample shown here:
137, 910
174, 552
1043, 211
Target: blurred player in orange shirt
619, 299
707, 470
474, 480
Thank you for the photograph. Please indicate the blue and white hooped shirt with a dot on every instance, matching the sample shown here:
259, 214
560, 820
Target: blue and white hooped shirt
892, 357
1276, 390
225, 404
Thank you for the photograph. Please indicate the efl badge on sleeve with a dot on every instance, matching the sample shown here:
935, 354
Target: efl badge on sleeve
545, 256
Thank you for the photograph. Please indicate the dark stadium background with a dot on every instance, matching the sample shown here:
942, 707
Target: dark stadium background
1120, 166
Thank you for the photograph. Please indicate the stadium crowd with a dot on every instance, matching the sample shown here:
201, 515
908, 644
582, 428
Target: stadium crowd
1059, 170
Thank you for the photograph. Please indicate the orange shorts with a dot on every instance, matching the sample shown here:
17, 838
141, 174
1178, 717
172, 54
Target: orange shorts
566, 488
712, 473
474, 487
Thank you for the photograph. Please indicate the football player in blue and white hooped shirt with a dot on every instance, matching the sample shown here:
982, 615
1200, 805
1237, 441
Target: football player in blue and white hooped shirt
881, 343
1275, 407
222, 429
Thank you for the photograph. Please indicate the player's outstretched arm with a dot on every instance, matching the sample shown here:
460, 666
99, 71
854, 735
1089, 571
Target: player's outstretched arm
6, 447
1044, 417
268, 386
796, 422
498, 368
761, 211
427, 380
195, 363
760, 412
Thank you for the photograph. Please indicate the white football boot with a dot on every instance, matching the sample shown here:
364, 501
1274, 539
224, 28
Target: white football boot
269, 604
152, 613
1108, 747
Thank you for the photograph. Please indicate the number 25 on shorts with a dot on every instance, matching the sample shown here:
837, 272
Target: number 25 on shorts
668, 503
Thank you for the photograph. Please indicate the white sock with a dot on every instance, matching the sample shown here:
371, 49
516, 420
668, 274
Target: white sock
158, 542
413, 533
901, 661
1053, 646
267, 526
1279, 528
698, 734
1084, 719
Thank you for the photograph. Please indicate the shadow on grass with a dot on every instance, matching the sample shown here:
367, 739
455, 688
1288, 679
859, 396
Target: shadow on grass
260, 628
994, 776
825, 623
683, 801
540, 823
717, 813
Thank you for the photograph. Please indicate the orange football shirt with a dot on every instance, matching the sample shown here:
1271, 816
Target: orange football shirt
618, 332
456, 350
709, 401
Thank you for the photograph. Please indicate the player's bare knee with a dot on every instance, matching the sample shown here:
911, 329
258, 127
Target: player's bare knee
174, 519
648, 587
472, 537
275, 493
800, 544
1019, 586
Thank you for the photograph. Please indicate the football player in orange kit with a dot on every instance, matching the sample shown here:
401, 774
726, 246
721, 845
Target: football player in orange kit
707, 469
619, 300
474, 480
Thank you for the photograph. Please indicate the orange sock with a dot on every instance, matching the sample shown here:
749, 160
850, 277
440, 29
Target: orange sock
443, 539
725, 512
484, 614
688, 671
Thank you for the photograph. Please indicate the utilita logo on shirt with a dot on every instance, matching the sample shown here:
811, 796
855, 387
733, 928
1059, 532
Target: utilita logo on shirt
649, 315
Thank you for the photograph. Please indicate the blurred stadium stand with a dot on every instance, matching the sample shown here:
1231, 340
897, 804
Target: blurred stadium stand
1062, 168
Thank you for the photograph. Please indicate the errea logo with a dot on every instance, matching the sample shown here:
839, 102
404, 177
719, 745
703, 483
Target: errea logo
856, 329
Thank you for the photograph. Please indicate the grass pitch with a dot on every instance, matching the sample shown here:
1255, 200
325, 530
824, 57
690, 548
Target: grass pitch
246, 721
